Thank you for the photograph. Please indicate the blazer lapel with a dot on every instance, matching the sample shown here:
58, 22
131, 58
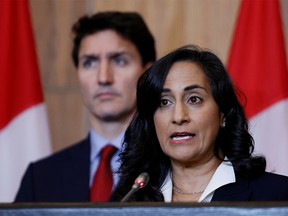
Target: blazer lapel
238, 191
76, 177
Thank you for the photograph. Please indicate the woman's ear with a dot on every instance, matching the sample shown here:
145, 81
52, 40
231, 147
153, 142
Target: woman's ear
223, 121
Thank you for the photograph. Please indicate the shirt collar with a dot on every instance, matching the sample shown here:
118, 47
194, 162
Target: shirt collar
223, 175
98, 142
166, 188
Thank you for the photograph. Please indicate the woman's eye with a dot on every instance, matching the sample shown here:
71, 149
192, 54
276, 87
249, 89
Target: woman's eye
164, 102
194, 100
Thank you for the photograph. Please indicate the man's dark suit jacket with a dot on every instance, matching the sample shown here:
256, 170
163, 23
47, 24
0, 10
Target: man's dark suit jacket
62, 177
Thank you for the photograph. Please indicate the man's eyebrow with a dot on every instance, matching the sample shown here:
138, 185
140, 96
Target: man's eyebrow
89, 56
188, 88
117, 54
110, 55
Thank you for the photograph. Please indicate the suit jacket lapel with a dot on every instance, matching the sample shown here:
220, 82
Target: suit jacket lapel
238, 191
76, 179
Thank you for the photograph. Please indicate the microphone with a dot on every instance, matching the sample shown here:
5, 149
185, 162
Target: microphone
139, 182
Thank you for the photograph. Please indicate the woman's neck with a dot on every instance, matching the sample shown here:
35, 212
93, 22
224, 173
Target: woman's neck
189, 182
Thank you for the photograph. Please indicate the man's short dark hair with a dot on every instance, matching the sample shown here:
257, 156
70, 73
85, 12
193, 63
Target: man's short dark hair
129, 25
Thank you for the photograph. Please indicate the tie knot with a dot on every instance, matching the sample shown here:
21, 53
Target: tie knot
107, 152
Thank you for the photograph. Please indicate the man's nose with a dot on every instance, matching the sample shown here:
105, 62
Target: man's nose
105, 74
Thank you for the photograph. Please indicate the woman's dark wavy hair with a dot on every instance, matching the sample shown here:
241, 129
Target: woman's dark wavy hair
142, 151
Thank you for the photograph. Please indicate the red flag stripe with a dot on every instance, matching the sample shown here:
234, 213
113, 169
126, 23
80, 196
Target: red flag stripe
20, 86
257, 60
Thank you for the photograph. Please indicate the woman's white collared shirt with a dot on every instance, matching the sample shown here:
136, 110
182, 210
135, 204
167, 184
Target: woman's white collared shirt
223, 175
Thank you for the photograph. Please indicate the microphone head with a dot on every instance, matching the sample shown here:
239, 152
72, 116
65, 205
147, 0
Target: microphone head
141, 180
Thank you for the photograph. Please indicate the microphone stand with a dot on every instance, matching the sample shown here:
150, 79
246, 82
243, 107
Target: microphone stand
140, 182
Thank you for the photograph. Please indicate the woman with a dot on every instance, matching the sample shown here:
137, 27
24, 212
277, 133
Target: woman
191, 135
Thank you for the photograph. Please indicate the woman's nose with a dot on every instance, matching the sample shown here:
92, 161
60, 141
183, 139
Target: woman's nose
180, 114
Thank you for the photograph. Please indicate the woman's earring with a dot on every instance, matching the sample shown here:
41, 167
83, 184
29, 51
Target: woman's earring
223, 124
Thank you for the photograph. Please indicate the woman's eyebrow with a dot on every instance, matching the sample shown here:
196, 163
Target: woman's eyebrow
191, 87
188, 88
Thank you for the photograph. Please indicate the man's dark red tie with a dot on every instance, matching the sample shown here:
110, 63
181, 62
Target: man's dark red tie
103, 179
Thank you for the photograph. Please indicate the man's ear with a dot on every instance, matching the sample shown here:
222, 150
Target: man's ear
148, 65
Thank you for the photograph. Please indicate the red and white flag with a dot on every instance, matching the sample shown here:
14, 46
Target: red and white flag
258, 67
24, 132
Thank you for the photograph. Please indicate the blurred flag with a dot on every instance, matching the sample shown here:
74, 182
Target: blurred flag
24, 132
258, 67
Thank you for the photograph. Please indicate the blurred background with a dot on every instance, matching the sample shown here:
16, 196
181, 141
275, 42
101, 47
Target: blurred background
24, 134
207, 23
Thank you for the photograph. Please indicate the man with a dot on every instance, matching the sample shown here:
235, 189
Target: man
111, 50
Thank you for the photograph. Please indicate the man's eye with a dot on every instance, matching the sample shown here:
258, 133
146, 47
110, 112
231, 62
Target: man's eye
89, 63
120, 61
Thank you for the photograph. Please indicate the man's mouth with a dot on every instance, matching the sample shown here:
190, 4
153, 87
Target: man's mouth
106, 95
